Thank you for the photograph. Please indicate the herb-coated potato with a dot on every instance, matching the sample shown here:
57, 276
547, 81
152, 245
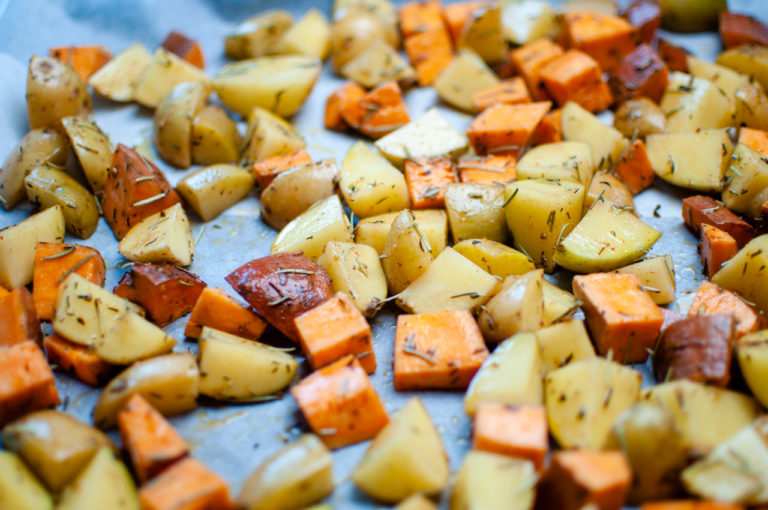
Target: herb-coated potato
465, 75
496, 258
105, 483
93, 149
258, 36
517, 307
377, 64
691, 15
165, 72
608, 188
751, 107
691, 104
407, 252
268, 135
750, 59
752, 353
356, 269
657, 274
476, 211
354, 32
563, 343
211, 190
310, 36
173, 122
374, 230
746, 177
565, 161
726, 80
19, 489
54, 91
118, 78
163, 238
639, 117
558, 304
215, 138
132, 338
483, 33
745, 273
492, 481
605, 142
369, 184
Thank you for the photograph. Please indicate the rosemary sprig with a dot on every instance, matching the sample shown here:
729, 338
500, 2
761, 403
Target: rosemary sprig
149, 200
410, 348
64, 253
74, 268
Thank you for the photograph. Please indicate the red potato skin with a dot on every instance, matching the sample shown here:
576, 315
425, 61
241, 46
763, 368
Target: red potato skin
281, 287
676, 57
646, 16
700, 209
737, 29
641, 73
166, 292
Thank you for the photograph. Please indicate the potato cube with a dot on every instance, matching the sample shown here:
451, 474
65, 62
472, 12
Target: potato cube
369, 184
496, 258
563, 343
476, 211
745, 273
433, 223
752, 353
515, 308
118, 78
606, 143
693, 104
465, 75
494, 482
657, 275
310, 35
211, 190
566, 161
164, 237
309, 232
164, 72
356, 270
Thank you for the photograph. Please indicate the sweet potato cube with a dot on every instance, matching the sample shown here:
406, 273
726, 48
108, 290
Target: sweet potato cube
634, 168
166, 292
419, 17
530, 59
512, 91
487, 169
217, 309
265, 171
645, 16
690, 505
340, 403
26, 381
54, 261
713, 299
430, 53
77, 360
642, 73
550, 129
85, 60
577, 479
441, 350
700, 209
186, 48
517, 431
755, 138
456, 15
186, 485
426, 179
621, 315
739, 29
335, 329
349, 93
378, 112
505, 128
151, 441
605, 38
676, 57
717, 247
18, 319
575, 76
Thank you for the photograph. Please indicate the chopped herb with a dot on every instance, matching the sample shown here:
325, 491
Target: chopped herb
63, 253
75, 268
471, 295
507, 201
410, 348
149, 200
185, 283
278, 301
295, 271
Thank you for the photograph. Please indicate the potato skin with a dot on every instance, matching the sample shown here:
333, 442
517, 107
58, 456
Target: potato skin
641, 116
281, 287
54, 91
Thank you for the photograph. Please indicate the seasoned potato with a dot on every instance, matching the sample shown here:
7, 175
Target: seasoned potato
38, 147
416, 502
558, 304
54, 91
215, 137
745, 273
19, 489
565, 161
164, 237
378, 64
93, 150
169, 382
212, 190
752, 353
298, 475
563, 343
692, 104
465, 75
751, 107
726, 80
657, 274
691, 15
751, 60
118, 78
516, 308
104, 483
476, 211
433, 223
54, 445
746, 177
605, 142
163, 74
356, 269
369, 184
309, 232
639, 117
173, 122
528, 20
48, 186
132, 338
294, 191
355, 30
310, 36
406, 254
483, 33
496, 258
610, 190
268, 135
695, 160
258, 36
494, 482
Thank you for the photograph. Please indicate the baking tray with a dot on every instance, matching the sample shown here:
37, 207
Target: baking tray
235, 439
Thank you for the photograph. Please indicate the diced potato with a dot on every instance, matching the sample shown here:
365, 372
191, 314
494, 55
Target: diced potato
639, 117
132, 338
118, 78
657, 274
584, 399
163, 237
309, 232
566, 161
212, 190
357, 27
92, 147
465, 75
173, 122
407, 252
433, 223
215, 138
54, 91
406, 457
510, 375
605, 142
691, 160
494, 482
752, 353
725, 80
105, 483
563, 343
746, 177
496, 258
416, 502
558, 304
268, 135
18, 242
258, 36
606, 238
450, 282
750, 60
483, 33
476, 211
693, 104
609, 189
369, 184
429, 135
528, 20
310, 36
19, 489
356, 270
516, 308
378, 64
163, 74
746, 273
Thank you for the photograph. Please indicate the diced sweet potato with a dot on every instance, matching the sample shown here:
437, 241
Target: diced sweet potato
426, 179
697, 348
378, 112
701, 209
634, 168
676, 57
218, 310
78, 361
18, 319
575, 76
690, 505
340, 403
135, 189
186, 48
26, 381
281, 287
430, 53
152, 443
495, 168
713, 299
738, 29
265, 171
621, 316
645, 16
717, 247
53, 262
441, 350
418, 17
349, 93
607, 39
186, 485
335, 329
517, 431
550, 128
642, 73
166, 292
754, 138
512, 91
505, 128
85, 60
530, 59
456, 15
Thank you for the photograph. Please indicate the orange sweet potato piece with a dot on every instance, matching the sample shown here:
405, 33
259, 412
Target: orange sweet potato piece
349, 93
426, 179
517, 431
713, 299
420, 17
690, 505
78, 361
266, 170
441, 350
550, 129
54, 261
737, 29
166, 292
150, 440
513, 91
186, 48
717, 248
335, 329
340, 403
380, 111
506, 128
621, 316
642, 73
85, 60
430, 53
575, 76
757, 139
530, 59
645, 16
634, 168
26, 381
577, 479
18, 318
701, 209
456, 15
135, 189
676, 57
218, 310
186, 485
496, 168
606, 38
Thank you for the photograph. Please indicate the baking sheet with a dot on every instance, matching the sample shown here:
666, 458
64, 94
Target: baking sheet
233, 440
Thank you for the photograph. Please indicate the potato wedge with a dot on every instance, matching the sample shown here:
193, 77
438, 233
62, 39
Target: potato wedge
212, 190
610, 190
310, 36
492, 481
657, 274
483, 33
516, 308
92, 148
407, 252
605, 142
54, 91
19, 489
258, 36
369, 184
558, 304
746, 178
566, 161
268, 135
752, 353
692, 104
378, 64
355, 28
309, 232
164, 237
374, 230
639, 117
476, 211
163, 74
215, 137
750, 60
104, 483
496, 258
745, 273
465, 75
118, 78
132, 338
563, 343
726, 80
356, 269
173, 122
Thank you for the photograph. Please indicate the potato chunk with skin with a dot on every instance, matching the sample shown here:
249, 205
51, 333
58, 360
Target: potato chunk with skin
165, 71
93, 149
311, 230
173, 122
19, 489
165, 237
374, 230
356, 269
494, 482
258, 36
215, 137
104, 483
268, 135
465, 75
746, 273
407, 252
611, 190
657, 275
752, 353
517, 307
54, 91
496, 258
563, 343
692, 104
476, 211
212, 190
369, 184
567, 161
118, 78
